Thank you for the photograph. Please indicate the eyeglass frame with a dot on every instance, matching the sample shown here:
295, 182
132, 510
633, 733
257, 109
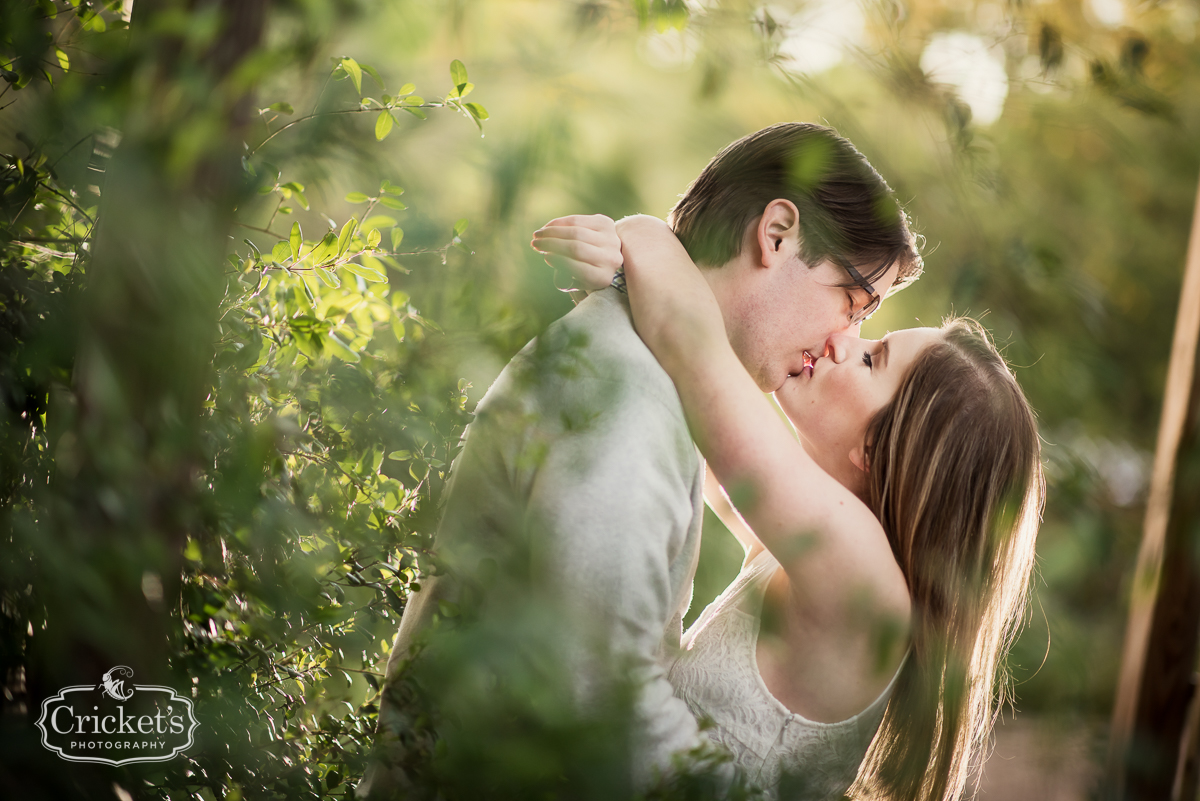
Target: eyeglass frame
863, 314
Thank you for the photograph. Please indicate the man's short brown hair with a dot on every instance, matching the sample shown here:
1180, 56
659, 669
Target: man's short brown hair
847, 211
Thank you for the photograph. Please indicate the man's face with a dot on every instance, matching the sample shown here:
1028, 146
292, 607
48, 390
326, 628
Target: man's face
793, 310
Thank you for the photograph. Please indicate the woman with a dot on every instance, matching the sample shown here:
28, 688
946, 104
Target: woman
893, 545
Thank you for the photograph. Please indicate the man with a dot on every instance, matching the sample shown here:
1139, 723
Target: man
578, 485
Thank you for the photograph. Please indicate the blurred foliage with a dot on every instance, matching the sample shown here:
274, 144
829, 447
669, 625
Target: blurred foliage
225, 432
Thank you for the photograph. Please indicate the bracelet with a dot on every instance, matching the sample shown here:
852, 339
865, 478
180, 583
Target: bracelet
618, 282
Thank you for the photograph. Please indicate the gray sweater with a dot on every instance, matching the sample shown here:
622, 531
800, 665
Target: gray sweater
579, 462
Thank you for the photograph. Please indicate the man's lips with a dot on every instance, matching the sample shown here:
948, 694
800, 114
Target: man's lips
806, 371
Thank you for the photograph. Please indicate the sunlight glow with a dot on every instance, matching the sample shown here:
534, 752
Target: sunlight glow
818, 36
964, 62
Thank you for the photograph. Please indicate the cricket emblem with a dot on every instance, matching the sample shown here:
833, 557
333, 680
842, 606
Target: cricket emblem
114, 687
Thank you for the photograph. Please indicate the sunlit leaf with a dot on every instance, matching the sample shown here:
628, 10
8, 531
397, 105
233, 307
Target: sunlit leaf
391, 203
296, 240
346, 235
366, 270
354, 71
282, 107
383, 124
326, 249
458, 72
329, 277
357, 197
378, 221
374, 73
397, 238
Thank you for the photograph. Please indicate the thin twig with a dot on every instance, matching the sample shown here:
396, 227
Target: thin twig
45, 250
274, 213
86, 216
260, 230
331, 113
69, 149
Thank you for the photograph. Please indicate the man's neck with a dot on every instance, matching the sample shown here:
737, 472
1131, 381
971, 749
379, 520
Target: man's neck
725, 283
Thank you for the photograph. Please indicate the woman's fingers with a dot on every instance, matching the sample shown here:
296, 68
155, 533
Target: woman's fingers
595, 222
592, 266
599, 239
587, 245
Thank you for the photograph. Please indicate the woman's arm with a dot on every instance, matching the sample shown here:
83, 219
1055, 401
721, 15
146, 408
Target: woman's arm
718, 501
827, 540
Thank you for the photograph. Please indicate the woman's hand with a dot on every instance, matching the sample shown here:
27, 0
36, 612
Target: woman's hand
587, 245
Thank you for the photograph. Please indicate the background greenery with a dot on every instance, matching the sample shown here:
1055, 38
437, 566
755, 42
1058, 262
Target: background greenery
225, 431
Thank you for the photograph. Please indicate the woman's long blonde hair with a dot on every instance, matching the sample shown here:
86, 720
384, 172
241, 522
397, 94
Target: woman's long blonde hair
955, 478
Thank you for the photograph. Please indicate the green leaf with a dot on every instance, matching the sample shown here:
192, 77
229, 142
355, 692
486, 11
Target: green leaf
301, 199
373, 238
357, 197
63, 61
413, 100
375, 275
346, 235
391, 203
383, 124
370, 272
400, 456
339, 348
458, 74
292, 185
308, 292
416, 112
329, 277
407, 89
282, 107
281, 251
378, 221
397, 238
326, 249
254, 247
296, 240
354, 71
465, 89
390, 188
374, 73
477, 111
460, 226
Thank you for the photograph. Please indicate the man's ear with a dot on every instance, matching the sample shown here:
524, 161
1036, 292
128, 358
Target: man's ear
779, 232
858, 457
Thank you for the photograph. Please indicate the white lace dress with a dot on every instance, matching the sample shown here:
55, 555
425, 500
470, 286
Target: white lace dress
717, 675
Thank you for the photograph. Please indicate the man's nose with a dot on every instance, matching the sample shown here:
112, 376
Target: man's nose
839, 346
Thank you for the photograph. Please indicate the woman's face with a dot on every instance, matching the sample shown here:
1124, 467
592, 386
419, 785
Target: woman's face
832, 400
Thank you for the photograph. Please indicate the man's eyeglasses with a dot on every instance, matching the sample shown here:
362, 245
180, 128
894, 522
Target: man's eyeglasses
866, 311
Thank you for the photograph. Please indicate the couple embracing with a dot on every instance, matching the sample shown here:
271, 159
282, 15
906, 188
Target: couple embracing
889, 530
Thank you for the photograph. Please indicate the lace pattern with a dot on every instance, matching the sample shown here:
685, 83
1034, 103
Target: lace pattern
787, 755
